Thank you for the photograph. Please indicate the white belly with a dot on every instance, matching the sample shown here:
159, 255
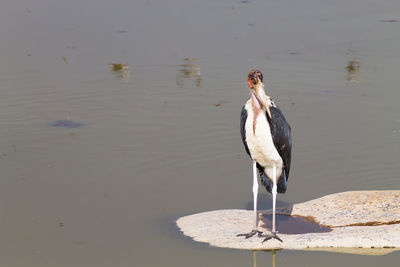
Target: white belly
260, 143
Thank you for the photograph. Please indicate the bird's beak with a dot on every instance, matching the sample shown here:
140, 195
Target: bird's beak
259, 92
251, 85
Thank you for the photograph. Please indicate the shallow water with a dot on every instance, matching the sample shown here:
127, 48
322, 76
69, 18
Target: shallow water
293, 225
161, 137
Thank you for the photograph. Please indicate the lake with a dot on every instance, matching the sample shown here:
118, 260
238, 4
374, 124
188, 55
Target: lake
155, 89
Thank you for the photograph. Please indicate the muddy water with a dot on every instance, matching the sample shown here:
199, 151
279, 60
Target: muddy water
160, 135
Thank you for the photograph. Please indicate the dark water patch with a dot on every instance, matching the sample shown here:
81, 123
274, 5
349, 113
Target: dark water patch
388, 20
66, 124
293, 225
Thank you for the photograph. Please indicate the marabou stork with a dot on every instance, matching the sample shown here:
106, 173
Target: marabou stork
267, 139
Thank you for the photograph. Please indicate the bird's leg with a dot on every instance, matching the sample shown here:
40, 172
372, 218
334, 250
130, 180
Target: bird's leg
255, 194
273, 198
274, 191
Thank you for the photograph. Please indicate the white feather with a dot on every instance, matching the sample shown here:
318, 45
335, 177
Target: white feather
260, 143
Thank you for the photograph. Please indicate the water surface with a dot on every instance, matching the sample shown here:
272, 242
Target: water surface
161, 137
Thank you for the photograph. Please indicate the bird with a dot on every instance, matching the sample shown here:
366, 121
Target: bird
267, 139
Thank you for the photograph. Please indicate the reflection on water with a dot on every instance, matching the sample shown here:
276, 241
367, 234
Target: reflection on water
273, 252
353, 71
121, 70
355, 251
273, 258
188, 70
353, 65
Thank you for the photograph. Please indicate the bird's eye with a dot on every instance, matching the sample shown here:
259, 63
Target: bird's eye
260, 76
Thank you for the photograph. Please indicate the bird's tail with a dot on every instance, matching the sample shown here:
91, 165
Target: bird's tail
266, 181
282, 184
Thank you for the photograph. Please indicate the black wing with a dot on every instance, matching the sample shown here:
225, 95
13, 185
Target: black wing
243, 118
282, 137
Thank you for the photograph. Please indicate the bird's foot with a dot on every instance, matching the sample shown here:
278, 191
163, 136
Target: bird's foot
252, 233
270, 236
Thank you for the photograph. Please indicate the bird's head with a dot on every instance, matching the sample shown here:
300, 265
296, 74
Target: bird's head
255, 81
255, 77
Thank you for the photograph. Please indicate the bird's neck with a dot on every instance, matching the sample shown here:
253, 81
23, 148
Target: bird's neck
257, 107
262, 96
260, 101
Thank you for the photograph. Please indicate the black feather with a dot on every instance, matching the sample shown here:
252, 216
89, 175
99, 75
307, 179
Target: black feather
281, 135
265, 181
243, 118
